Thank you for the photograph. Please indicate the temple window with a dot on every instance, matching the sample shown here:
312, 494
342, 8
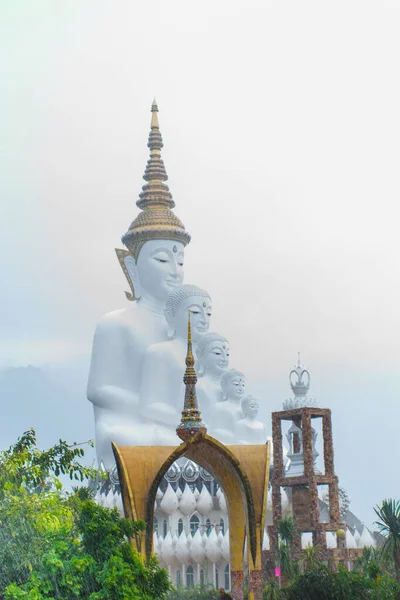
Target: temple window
227, 577
180, 526
165, 528
155, 525
202, 578
194, 524
222, 526
208, 527
190, 577
178, 578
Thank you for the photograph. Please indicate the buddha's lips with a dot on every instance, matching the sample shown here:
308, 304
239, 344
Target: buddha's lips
173, 282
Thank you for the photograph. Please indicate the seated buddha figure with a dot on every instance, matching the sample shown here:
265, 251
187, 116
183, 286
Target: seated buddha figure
248, 429
212, 361
228, 412
162, 391
153, 266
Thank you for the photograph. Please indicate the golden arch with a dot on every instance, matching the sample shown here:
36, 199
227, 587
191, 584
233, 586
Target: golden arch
241, 470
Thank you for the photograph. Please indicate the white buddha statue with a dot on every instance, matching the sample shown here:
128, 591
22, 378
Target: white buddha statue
212, 354
153, 267
248, 429
228, 412
162, 390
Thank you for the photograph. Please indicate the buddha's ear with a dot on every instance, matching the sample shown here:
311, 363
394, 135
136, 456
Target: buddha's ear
129, 269
200, 369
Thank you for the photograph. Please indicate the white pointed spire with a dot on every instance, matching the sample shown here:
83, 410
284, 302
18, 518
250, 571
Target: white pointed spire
265, 541
222, 503
225, 547
350, 541
170, 502
366, 539
197, 549
187, 503
213, 550
167, 551
204, 502
182, 548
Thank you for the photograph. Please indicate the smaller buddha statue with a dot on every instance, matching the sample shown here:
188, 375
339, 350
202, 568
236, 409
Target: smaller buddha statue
228, 412
162, 390
212, 355
248, 429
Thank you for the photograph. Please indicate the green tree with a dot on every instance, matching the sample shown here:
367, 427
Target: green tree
389, 526
319, 583
287, 531
60, 545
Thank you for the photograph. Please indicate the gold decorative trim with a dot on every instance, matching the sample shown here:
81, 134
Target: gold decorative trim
129, 508
121, 255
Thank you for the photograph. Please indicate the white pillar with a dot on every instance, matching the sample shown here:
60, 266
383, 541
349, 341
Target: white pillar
184, 575
214, 575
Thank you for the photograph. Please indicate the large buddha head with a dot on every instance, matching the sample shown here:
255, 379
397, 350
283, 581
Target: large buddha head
156, 238
184, 299
233, 384
212, 354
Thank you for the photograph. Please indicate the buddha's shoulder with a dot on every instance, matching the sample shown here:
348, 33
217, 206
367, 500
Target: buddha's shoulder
166, 348
118, 320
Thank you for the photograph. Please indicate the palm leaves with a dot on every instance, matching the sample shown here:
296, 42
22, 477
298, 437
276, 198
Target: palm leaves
286, 531
389, 527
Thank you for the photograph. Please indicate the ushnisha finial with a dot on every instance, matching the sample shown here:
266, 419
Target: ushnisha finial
191, 425
156, 219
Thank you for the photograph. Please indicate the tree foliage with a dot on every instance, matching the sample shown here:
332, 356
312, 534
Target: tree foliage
58, 545
389, 526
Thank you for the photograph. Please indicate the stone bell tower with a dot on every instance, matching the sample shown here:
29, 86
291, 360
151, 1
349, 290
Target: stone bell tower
301, 478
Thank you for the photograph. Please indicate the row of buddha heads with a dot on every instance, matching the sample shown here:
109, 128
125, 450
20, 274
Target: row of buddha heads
230, 414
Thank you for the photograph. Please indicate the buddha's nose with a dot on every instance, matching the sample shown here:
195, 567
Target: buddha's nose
173, 270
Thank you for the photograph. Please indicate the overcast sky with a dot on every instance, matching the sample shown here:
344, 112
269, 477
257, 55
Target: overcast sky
281, 129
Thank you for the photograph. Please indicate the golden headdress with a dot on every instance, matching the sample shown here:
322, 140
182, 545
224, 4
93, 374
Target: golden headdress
156, 219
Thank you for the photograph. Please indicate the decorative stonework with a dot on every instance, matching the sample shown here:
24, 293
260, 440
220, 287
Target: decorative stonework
304, 487
256, 584
237, 585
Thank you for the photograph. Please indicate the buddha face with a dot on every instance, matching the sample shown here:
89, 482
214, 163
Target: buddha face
160, 268
200, 315
216, 358
250, 408
235, 388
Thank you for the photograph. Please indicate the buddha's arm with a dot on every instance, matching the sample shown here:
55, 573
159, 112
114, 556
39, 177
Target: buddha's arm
109, 384
154, 391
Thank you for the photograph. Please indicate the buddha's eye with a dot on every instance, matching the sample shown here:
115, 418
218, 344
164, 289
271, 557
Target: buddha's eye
217, 352
180, 264
161, 260
194, 311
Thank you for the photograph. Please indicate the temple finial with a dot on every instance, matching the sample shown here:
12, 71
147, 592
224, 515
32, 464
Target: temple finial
154, 116
191, 425
156, 221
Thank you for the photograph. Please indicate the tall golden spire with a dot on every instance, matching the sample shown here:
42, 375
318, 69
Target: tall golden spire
156, 219
191, 425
